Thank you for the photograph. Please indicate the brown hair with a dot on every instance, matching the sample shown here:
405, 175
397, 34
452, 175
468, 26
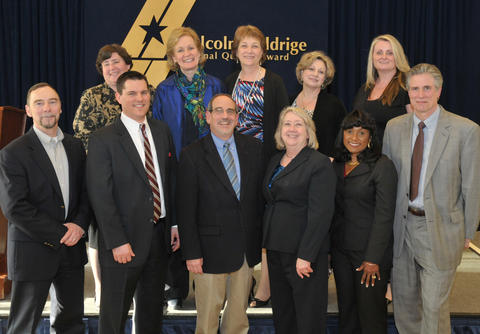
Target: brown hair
249, 31
38, 86
106, 52
309, 58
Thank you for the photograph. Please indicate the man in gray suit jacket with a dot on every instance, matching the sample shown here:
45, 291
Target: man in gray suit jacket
437, 156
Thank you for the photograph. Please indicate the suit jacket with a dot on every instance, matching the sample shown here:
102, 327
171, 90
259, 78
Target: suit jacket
364, 210
300, 205
120, 193
275, 98
328, 115
452, 189
168, 106
213, 223
32, 202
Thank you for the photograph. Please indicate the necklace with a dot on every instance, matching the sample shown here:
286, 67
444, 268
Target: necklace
247, 98
353, 163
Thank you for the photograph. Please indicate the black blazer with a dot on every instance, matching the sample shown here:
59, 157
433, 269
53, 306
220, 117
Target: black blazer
275, 98
300, 205
213, 223
328, 116
120, 193
32, 202
365, 208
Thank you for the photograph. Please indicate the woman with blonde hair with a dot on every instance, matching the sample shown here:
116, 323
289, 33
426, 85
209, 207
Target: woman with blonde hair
182, 98
384, 95
299, 189
315, 71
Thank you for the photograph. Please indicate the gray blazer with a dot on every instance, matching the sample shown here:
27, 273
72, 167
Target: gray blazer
452, 183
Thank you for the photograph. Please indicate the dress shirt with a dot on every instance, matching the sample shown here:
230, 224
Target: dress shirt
219, 145
133, 128
429, 133
58, 157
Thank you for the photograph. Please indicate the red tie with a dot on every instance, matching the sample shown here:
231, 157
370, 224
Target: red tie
152, 178
417, 158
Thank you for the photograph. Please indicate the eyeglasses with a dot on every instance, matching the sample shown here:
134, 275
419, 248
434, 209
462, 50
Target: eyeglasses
220, 111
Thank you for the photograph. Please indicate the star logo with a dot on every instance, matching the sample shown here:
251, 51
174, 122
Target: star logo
146, 42
153, 31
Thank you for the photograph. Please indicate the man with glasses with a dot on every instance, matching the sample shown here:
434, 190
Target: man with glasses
219, 214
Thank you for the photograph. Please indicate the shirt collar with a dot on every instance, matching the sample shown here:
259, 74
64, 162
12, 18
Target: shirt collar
219, 142
430, 121
46, 139
131, 123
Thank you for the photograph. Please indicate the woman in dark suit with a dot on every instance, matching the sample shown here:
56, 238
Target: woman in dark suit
315, 71
362, 228
299, 189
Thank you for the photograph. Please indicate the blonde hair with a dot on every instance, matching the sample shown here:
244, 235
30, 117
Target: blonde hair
307, 120
309, 58
249, 31
175, 35
401, 62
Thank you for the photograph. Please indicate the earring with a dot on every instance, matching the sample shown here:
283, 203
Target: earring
369, 144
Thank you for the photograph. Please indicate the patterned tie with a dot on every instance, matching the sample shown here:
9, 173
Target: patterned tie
417, 158
152, 178
229, 164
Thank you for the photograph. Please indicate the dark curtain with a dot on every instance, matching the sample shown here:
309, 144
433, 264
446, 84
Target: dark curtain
441, 32
41, 40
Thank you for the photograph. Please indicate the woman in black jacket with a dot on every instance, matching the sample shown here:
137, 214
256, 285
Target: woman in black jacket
362, 228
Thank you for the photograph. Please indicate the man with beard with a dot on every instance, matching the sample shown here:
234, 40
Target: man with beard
43, 196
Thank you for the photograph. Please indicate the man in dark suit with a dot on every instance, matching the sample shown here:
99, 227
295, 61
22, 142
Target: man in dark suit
130, 168
437, 157
43, 196
219, 213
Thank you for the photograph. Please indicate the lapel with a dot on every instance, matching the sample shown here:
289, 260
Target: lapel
160, 146
40, 156
361, 169
406, 148
242, 151
129, 147
274, 162
213, 159
72, 163
301, 158
439, 142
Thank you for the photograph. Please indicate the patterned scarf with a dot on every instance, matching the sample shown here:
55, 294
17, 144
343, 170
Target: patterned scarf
193, 93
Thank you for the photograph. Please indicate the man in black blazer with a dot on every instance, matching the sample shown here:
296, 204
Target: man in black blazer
130, 168
43, 196
219, 213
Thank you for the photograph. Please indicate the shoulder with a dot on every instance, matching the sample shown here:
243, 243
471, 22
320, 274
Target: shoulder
330, 99
167, 83
95, 90
384, 162
273, 77
213, 81
458, 121
316, 157
398, 121
19, 144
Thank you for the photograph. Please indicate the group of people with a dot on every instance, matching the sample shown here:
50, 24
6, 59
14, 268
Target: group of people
296, 183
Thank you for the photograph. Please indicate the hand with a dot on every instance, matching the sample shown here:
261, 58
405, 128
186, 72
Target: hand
195, 266
371, 272
73, 234
123, 253
174, 239
467, 243
303, 268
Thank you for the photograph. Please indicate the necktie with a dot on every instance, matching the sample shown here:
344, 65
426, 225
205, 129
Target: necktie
152, 178
417, 158
229, 164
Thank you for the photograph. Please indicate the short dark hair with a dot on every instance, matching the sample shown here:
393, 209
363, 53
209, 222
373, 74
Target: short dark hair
37, 86
129, 75
363, 120
106, 52
210, 104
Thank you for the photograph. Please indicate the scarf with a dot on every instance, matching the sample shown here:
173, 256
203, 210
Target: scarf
193, 93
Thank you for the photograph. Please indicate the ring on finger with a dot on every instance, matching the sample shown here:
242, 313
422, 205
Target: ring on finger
374, 276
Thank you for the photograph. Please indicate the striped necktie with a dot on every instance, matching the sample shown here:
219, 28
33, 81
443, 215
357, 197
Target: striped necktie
152, 178
229, 164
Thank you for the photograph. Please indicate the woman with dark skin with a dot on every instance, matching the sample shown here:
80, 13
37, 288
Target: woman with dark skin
362, 227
